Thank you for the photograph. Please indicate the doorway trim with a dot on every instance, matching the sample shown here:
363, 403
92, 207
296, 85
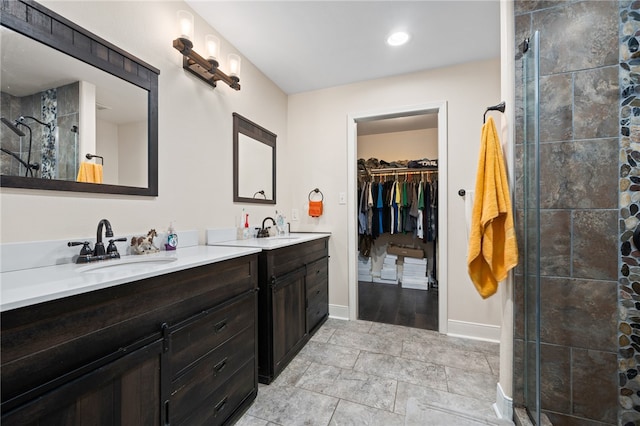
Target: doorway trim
439, 107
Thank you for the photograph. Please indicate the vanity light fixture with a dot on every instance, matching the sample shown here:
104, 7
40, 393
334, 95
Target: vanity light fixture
205, 69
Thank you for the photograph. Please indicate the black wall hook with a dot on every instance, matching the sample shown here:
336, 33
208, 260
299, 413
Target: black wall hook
500, 107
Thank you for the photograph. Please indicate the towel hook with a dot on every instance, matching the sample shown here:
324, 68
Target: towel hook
500, 107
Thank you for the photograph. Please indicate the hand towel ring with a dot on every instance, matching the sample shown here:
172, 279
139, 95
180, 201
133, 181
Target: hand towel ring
315, 206
316, 191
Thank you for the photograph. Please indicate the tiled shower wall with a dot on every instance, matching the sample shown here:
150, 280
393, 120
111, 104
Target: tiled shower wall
579, 178
58, 159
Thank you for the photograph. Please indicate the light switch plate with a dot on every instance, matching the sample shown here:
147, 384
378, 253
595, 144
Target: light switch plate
343, 198
294, 214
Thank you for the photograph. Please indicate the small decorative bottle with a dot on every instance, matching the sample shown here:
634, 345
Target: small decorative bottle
172, 238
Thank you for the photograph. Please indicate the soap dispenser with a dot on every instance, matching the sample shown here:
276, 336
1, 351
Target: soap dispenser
280, 224
172, 238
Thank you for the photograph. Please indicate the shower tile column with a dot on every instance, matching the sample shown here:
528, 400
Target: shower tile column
579, 181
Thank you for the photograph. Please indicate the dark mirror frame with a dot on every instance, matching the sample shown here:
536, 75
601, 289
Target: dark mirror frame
260, 134
35, 21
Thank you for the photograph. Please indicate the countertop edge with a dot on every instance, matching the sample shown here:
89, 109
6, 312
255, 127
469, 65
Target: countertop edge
60, 281
273, 243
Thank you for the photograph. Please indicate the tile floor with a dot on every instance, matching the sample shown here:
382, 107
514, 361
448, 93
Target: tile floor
367, 373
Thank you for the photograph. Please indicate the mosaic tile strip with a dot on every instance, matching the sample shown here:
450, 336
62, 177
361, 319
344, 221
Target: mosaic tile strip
629, 218
49, 113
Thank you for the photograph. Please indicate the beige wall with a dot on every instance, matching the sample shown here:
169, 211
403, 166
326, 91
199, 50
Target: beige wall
195, 137
317, 126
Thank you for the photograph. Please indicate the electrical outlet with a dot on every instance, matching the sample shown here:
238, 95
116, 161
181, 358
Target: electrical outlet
294, 214
342, 198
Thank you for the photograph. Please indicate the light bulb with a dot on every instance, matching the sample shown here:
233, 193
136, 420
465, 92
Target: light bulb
234, 65
212, 44
185, 24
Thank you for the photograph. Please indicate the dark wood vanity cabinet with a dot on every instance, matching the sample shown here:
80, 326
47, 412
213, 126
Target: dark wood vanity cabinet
180, 348
293, 302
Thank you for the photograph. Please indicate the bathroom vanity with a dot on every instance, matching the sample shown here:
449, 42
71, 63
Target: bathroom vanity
293, 298
175, 344
293, 302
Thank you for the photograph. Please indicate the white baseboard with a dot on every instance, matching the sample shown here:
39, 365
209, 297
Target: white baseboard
504, 405
339, 312
472, 330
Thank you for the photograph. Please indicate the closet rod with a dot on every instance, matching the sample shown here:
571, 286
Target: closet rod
405, 174
403, 170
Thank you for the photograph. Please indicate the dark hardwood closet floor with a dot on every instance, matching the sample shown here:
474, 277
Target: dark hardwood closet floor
393, 304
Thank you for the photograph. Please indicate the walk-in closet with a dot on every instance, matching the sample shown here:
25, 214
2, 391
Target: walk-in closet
398, 221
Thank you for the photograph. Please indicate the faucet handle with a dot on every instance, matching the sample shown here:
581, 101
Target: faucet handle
112, 247
86, 247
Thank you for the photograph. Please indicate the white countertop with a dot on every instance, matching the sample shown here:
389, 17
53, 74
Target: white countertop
271, 243
30, 286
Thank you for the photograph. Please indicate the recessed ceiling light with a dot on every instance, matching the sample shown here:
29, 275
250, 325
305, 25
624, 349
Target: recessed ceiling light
398, 39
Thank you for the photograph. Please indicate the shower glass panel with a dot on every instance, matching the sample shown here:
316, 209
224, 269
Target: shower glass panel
531, 205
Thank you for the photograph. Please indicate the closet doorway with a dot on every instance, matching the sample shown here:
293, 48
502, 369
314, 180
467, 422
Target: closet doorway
398, 275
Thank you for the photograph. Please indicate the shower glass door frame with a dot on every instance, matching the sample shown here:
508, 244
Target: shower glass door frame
531, 207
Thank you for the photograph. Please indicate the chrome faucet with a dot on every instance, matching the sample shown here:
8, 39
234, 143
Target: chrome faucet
99, 250
265, 232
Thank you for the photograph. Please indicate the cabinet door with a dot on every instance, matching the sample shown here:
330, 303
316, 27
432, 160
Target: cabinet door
123, 392
288, 316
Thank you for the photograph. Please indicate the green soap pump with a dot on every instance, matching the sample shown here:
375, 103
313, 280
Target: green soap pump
172, 238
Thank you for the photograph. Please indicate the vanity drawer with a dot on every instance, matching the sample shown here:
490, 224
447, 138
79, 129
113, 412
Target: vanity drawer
287, 259
317, 274
317, 311
209, 397
199, 335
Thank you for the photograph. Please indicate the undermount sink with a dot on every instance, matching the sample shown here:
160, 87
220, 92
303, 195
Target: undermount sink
283, 237
129, 263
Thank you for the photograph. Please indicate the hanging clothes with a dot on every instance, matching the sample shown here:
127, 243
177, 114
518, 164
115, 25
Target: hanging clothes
399, 205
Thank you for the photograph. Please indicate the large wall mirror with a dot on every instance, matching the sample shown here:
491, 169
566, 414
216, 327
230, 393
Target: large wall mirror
254, 162
71, 102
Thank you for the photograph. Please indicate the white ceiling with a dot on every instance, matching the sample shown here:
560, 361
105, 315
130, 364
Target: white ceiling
309, 45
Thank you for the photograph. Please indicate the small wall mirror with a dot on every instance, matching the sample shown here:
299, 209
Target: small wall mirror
67, 98
254, 162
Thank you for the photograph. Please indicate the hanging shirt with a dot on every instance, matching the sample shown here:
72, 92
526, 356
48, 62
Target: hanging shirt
420, 219
380, 206
370, 208
362, 214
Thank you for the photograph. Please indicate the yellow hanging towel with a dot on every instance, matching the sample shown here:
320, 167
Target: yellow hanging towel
90, 172
493, 249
